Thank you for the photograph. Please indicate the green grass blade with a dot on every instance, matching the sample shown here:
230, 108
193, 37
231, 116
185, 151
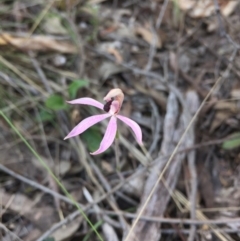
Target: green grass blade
97, 225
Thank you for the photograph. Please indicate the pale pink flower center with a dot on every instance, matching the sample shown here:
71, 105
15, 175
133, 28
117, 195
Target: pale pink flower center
114, 108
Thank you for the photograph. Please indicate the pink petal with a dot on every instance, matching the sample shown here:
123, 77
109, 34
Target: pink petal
87, 101
108, 136
85, 124
134, 126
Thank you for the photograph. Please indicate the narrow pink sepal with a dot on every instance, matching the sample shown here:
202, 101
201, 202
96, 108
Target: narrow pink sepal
85, 124
87, 101
108, 136
134, 126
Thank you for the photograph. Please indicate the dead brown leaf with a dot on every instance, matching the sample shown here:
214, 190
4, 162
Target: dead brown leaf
206, 8
33, 235
219, 118
149, 36
42, 217
225, 105
67, 231
116, 54
37, 43
159, 97
235, 93
109, 68
225, 110
107, 167
135, 186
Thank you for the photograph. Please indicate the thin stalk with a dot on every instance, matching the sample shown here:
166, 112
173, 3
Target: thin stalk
117, 151
146, 153
118, 167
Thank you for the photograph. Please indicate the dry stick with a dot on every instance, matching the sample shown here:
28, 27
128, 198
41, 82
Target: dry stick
218, 209
193, 194
174, 89
36, 185
147, 154
129, 215
144, 230
73, 215
14, 236
105, 226
112, 202
15, 82
177, 195
63, 188
21, 75
114, 189
56, 226
78, 42
134, 151
76, 213
49, 90
33, 137
199, 231
156, 130
135, 70
20, 103
200, 215
81, 151
96, 208
173, 154
40, 72
173, 196
127, 198
170, 220
193, 103
40, 18
85, 163
161, 14
152, 51
223, 32
61, 197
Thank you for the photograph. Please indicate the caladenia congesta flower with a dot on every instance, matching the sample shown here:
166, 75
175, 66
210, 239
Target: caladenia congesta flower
114, 100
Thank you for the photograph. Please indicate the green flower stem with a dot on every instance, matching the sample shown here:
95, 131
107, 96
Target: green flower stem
51, 173
117, 151
146, 153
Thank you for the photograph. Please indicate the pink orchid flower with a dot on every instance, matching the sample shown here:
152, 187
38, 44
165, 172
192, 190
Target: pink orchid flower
112, 106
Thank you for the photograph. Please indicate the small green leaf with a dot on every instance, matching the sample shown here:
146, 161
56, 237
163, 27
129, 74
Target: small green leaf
92, 138
231, 144
45, 116
75, 86
56, 102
